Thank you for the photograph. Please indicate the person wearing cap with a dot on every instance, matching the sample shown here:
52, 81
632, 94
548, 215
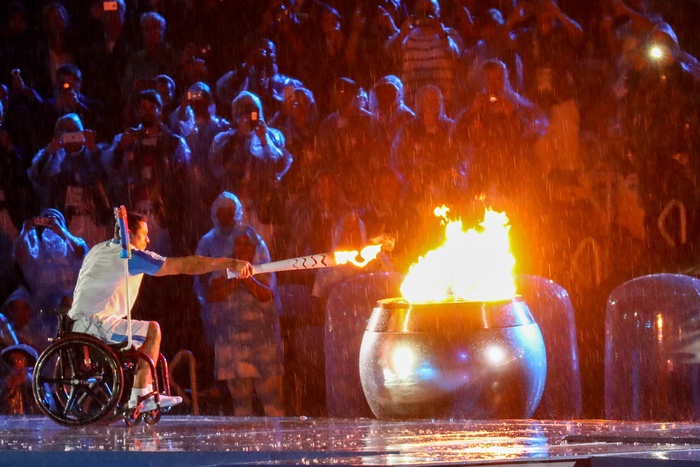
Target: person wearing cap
68, 174
16, 397
241, 317
100, 304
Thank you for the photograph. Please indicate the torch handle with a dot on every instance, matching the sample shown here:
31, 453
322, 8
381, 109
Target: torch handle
322, 260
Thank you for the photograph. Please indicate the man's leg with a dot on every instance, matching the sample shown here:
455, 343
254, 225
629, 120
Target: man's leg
143, 379
151, 348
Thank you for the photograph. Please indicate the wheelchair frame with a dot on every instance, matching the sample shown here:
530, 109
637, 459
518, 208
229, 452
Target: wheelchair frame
79, 380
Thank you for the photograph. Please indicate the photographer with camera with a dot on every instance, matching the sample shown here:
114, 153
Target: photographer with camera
150, 158
69, 99
67, 174
428, 52
250, 161
258, 75
49, 256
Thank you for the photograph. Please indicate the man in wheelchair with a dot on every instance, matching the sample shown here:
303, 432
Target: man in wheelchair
100, 301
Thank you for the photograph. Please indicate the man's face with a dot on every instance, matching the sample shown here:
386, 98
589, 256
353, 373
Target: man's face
148, 112
495, 80
68, 83
225, 216
386, 96
152, 33
139, 236
243, 248
19, 312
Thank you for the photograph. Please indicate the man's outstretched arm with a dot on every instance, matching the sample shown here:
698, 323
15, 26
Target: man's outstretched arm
201, 265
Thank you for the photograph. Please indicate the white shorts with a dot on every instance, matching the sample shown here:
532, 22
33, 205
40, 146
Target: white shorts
113, 330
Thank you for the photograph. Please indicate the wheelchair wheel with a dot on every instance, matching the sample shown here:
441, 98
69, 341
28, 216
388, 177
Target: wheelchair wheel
78, 381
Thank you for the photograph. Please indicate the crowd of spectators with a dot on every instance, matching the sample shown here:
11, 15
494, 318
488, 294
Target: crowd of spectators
335, 122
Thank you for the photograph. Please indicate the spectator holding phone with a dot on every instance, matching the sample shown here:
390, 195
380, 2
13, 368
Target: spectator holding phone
259, 75
68, 98
67, 174
250, 161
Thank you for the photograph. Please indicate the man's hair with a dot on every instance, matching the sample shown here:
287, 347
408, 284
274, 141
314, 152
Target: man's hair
152, 16
132, 219
151, 96
68, 69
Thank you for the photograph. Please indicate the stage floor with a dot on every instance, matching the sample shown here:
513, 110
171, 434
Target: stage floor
222, 441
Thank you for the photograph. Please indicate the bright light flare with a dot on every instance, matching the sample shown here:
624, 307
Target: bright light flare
472, 265
360, 259
656, 52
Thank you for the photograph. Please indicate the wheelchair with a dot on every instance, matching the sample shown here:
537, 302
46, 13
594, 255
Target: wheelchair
79, 380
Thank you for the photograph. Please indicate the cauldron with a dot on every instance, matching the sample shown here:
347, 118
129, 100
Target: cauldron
452, 359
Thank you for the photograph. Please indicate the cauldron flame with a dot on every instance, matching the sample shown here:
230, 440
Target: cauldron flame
473, 265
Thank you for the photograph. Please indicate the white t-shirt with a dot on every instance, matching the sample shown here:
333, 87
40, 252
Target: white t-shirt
101, 289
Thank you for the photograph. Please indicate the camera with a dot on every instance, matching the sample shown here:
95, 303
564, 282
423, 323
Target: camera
194, 95
110, 6
77, 137
43, 221
254, 119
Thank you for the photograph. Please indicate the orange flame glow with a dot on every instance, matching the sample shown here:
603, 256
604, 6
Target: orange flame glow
471, 266
366, 255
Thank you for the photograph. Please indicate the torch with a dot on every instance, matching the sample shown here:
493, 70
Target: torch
324, 260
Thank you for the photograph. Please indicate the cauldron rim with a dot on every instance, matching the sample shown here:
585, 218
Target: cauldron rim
401, 302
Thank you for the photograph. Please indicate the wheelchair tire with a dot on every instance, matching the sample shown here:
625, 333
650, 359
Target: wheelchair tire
78, 381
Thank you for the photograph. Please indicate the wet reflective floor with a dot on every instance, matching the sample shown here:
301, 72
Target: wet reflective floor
221, 441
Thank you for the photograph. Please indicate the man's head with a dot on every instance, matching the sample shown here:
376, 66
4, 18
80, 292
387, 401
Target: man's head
226, 212
69, 78
429, 104
138, 230
56, 19
150, 106
489, 23
496, 75
427, 9
200, 98
152, 29
263, 57
165, 87
246, 112
69, 129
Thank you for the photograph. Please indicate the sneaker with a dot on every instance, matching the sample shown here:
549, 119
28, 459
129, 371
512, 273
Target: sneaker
150, 403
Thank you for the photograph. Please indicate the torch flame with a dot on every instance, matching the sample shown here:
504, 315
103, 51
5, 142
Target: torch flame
472, 265
366, 255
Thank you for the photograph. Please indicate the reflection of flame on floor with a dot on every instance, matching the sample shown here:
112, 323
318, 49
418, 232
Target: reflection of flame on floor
472, 265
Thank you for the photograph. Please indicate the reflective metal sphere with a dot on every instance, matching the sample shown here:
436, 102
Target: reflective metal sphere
478, 360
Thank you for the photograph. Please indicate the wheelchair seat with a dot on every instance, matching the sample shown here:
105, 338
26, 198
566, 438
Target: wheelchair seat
79, 380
